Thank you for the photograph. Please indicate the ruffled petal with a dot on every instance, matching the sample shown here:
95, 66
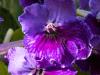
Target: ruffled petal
60, 10
84, 4
33, 20
53, 52
94, 5
79, 42
19, 61
16, 59
79, 49
61, 72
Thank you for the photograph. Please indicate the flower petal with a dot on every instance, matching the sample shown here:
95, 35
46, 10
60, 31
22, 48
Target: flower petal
19, 61
79, 39
94, 5
61, 72
16, 63
54, 52
25, 3
60, 10
84, 4
33, 20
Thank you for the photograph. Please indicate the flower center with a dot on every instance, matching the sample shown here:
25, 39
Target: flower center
50, 27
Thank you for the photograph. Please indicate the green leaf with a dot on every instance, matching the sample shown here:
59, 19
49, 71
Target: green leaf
3, 69
18, 35
13, 7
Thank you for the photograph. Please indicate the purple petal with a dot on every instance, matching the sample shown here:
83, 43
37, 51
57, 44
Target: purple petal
61, 72
25, 3
79, 49
54, 52
79, 42
19, 61
60, 10
93, 23
84, 4
33, 20
95, 5
16, 63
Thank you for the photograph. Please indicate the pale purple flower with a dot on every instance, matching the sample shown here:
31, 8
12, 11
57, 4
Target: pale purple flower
54, 35
20, 63
91, 19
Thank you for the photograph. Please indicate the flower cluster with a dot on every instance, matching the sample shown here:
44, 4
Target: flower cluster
54, 38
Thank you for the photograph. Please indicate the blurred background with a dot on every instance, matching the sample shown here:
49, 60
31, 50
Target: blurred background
10, 29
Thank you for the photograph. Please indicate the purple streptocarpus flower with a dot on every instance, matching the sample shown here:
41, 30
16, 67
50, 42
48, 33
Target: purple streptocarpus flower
54, 35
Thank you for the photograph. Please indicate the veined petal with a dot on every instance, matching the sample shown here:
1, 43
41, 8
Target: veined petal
94, 5
61, 72
33, 19
84, 4
51, 50
60, 10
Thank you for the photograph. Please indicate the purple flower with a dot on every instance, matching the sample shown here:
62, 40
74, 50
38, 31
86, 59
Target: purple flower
54, 35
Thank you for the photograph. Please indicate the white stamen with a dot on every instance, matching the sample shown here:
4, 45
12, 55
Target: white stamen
50, 26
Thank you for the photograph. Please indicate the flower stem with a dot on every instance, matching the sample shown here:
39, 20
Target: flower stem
6, 46
82, 13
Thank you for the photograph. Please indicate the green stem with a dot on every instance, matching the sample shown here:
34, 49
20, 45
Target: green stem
6, 46
82, 13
